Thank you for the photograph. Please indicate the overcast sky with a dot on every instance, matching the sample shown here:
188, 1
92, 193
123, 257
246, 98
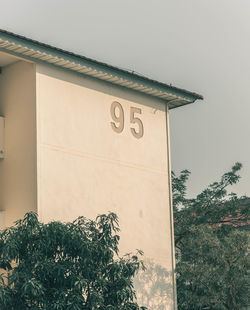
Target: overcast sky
199, 45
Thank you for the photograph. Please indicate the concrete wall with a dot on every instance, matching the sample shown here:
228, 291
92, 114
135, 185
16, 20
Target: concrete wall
86, 168
18, 168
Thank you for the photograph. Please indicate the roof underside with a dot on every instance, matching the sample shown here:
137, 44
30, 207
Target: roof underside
39, 52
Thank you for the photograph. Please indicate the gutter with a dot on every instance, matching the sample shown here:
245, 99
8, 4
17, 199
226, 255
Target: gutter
36, 51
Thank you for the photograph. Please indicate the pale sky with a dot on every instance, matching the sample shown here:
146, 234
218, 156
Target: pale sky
199, 45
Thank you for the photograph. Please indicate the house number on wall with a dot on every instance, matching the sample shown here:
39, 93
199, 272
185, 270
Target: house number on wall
117, 115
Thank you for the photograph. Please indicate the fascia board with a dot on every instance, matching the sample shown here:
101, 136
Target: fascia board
101, 70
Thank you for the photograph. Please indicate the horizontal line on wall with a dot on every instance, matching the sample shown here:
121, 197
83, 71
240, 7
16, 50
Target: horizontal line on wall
102, 158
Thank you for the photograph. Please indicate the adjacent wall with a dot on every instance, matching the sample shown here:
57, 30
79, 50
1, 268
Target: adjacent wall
86, 168
18, 169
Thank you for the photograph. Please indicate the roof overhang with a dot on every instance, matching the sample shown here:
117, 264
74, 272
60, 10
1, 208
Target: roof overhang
20, 46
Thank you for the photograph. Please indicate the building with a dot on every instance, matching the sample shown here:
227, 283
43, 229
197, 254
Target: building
83, 138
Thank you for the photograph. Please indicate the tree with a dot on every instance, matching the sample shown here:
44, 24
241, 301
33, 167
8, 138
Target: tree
211, 245
59, 266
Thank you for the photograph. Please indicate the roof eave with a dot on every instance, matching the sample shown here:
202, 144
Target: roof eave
36, 51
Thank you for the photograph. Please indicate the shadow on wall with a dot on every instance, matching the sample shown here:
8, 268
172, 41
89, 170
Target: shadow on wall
154, 287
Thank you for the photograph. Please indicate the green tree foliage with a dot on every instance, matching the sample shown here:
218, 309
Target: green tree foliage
59, 266
211, 245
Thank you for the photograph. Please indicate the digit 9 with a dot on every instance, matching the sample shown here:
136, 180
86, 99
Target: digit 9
118, 124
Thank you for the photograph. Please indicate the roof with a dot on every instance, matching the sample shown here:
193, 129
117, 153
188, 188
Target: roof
241, 220
39, 52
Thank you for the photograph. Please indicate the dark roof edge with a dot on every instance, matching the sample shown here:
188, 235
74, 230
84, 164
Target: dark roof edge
100, 66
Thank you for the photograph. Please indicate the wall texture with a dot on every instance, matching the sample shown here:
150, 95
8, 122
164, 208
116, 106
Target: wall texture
86, 168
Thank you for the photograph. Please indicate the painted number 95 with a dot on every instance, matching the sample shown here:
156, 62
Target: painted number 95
117, 115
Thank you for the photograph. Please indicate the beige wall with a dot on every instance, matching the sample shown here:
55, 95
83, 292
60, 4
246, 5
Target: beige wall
86, 168
63, 159
18, 168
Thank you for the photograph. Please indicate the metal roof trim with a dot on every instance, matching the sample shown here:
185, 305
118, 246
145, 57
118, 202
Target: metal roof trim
34, 50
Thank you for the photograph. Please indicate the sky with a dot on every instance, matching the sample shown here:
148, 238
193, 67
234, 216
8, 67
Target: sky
200, 45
